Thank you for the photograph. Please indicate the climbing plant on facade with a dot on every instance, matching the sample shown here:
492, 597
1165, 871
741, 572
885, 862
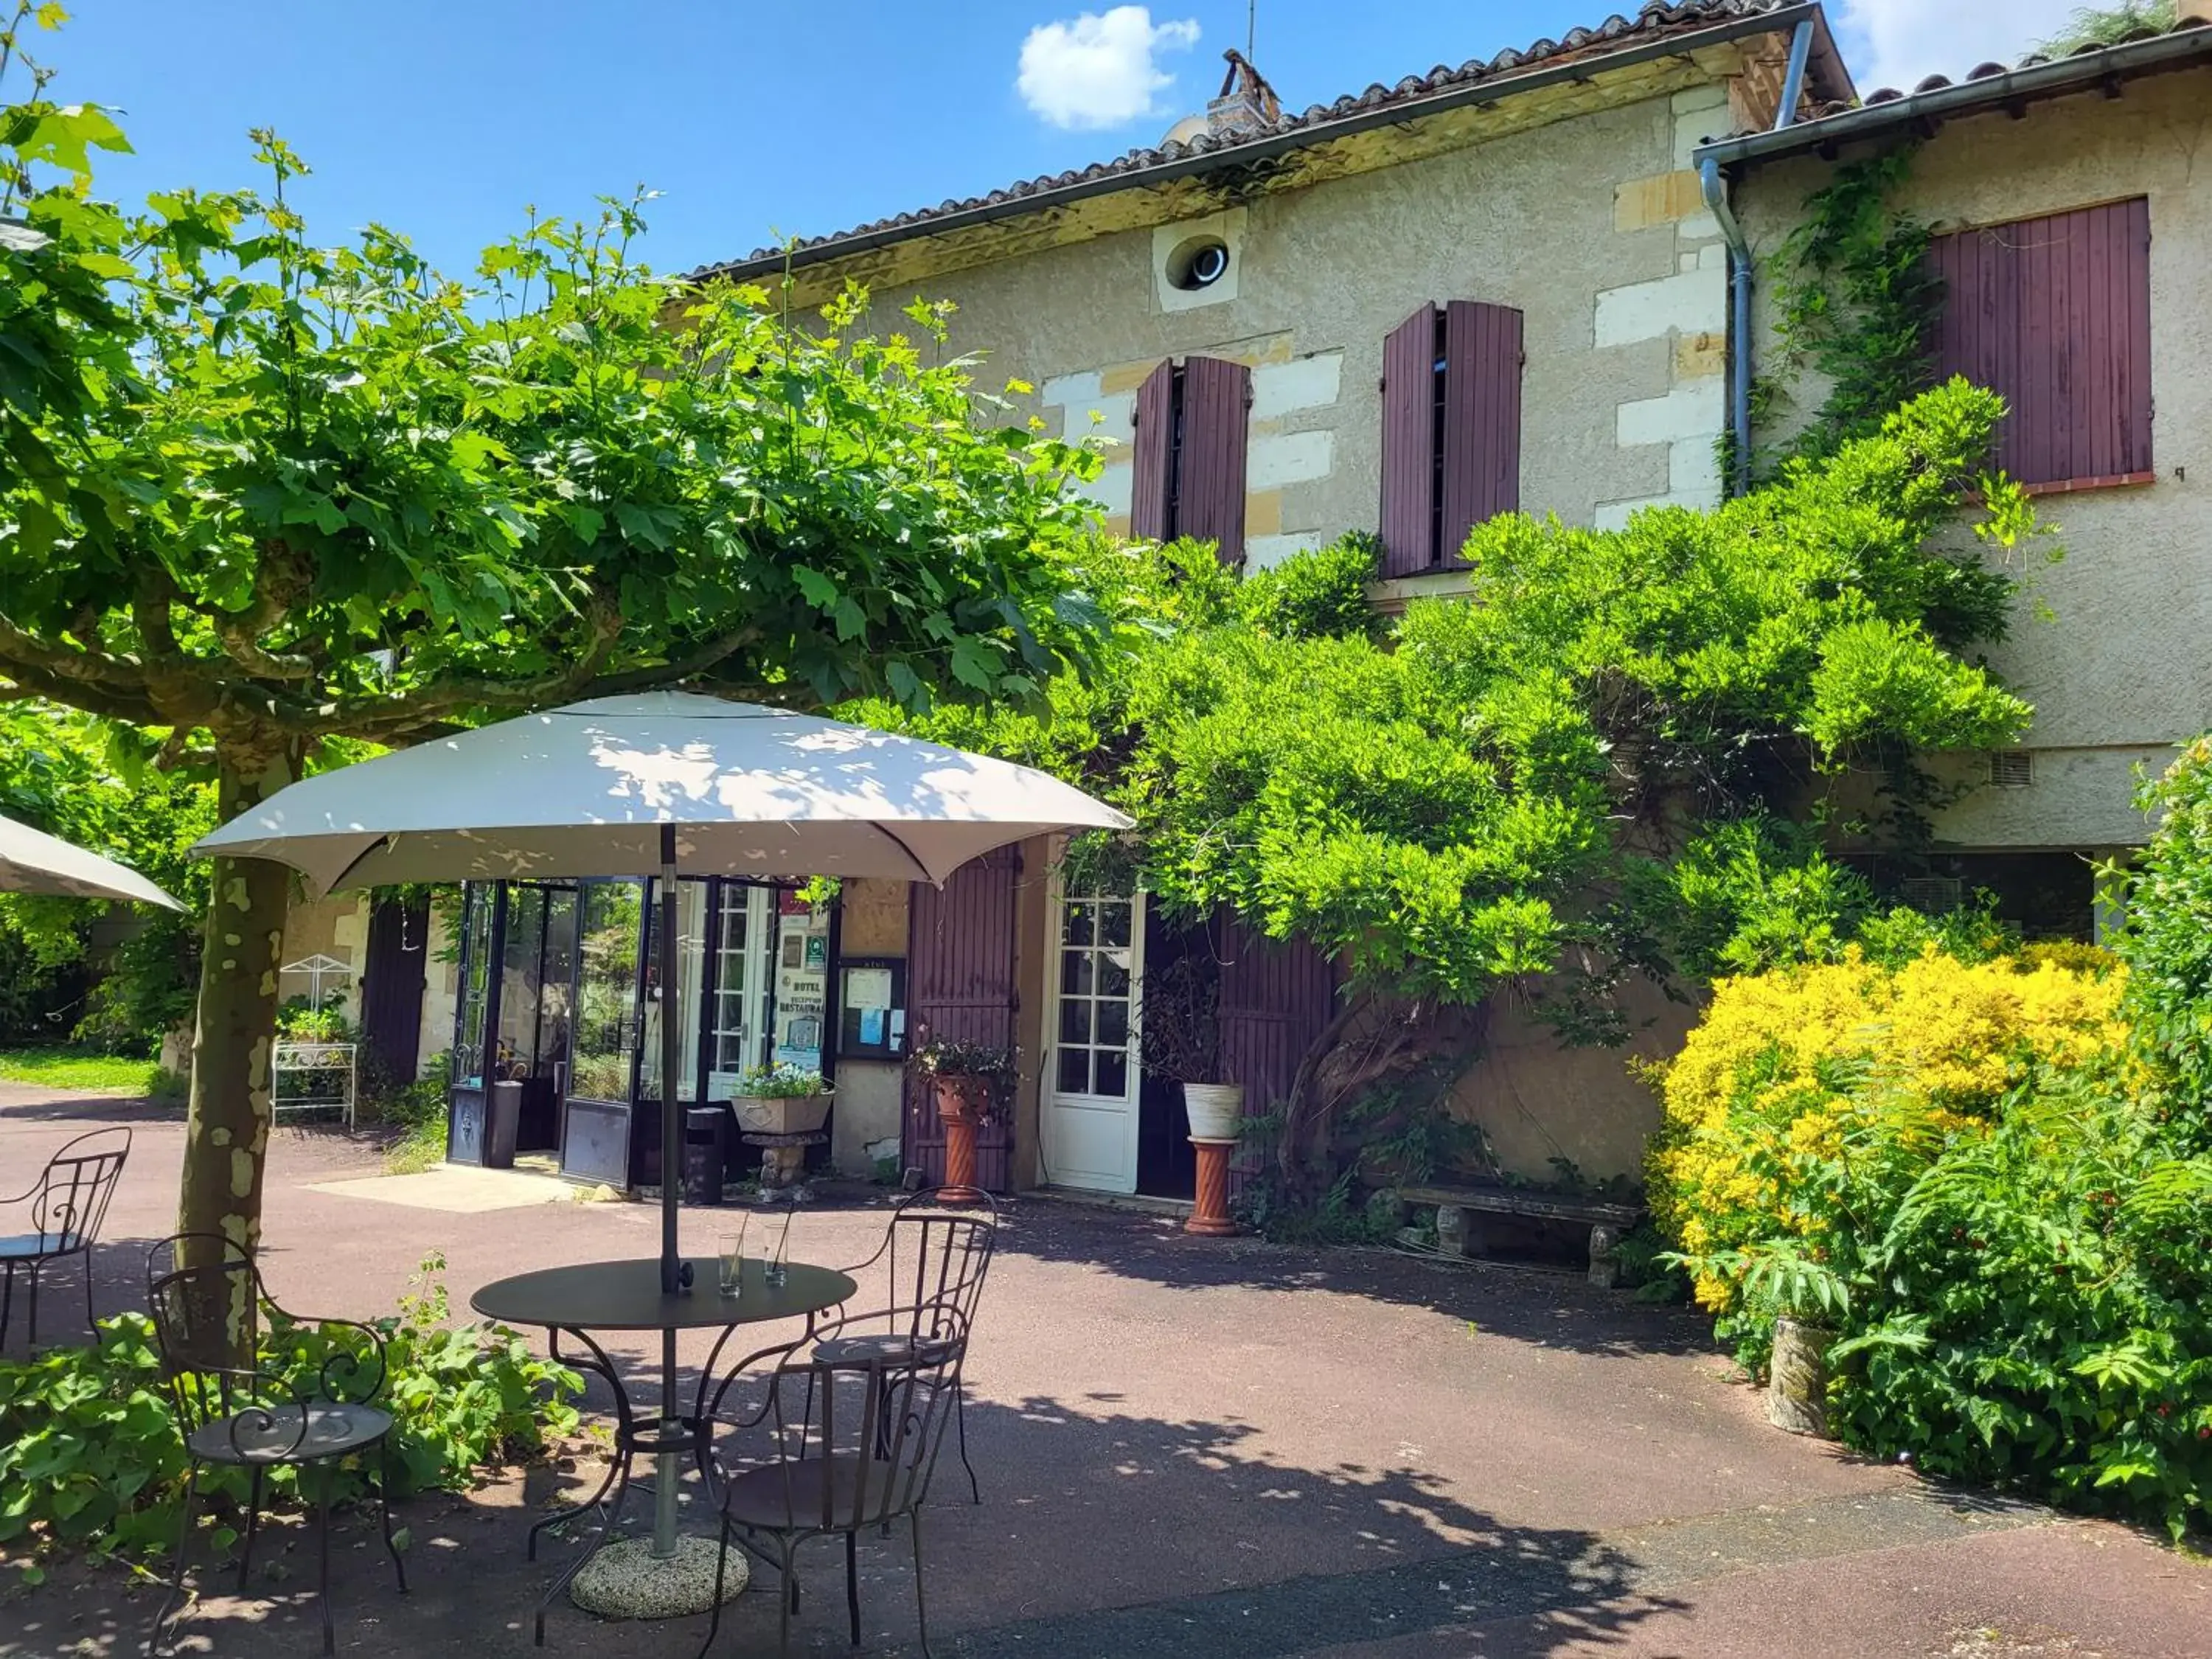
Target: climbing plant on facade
1856, 302
1499, 795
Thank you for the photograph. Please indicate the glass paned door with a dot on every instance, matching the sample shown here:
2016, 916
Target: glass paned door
690, 962
595, 1112
739, 1039
1091, 1114
478, 900
606, 991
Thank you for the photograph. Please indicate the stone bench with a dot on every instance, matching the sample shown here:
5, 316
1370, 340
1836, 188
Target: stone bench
1459, 1230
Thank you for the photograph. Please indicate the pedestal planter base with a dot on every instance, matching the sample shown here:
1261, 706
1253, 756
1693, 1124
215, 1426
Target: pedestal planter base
960, 1186
1209, 1217
1797, 1383
956, 1110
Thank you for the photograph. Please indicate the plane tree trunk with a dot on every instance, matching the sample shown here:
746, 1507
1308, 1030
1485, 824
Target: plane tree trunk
227, 1134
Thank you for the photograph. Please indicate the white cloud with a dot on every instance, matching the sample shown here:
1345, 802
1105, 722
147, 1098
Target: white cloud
1897, 43
1099, 70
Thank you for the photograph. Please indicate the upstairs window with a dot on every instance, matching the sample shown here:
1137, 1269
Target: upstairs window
1451, 431
2054, 314
1192, 421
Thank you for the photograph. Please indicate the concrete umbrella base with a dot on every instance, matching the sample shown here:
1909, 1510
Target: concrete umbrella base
625, 1581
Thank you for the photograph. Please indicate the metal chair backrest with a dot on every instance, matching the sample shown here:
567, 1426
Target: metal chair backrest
204, 1294
208, 1306
72, 1197
882, 1419
940, 1256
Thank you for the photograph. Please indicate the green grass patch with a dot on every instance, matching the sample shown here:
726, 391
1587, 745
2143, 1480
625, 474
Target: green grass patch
106, 1074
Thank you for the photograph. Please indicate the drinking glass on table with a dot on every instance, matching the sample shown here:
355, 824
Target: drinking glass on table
777, 1269
733, 1259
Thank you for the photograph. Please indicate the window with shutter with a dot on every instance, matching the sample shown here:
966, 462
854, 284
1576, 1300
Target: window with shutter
2054, 314
1155, 451
1451, 431
1192, 421
1411, 382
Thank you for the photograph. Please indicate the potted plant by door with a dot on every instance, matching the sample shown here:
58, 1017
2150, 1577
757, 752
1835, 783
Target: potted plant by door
1180, 1038
970, 1080
781, 1100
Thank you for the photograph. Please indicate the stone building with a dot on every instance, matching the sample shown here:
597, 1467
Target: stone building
1533, 282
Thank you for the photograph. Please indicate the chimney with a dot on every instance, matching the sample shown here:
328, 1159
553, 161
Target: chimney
1247, 104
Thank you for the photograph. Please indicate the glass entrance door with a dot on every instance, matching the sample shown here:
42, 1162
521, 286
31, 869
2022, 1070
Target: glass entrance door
738, 1038
595, 1112
1092, 1075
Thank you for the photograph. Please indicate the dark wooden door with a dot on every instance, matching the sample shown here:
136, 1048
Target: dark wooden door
960, 983
391, 986
1275, 997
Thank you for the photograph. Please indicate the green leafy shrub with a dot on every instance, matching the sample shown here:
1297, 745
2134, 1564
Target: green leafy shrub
1808, 1098
1991, 1178
2167, 939
90, 1458
300, 1020
2033, 1313
1318, 594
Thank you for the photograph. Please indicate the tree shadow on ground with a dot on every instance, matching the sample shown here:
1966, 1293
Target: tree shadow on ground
94, 1111
1102, 1535
1558, 1309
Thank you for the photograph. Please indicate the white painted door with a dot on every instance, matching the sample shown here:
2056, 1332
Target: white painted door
1092, 1076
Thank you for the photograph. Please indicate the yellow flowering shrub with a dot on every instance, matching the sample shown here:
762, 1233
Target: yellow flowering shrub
1794, 1071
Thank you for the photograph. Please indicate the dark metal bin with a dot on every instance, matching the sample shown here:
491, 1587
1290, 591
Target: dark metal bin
705, 1132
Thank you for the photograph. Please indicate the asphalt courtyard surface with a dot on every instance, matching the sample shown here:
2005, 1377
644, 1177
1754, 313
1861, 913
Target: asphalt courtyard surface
1223, 1449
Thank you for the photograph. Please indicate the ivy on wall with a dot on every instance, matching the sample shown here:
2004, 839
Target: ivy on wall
1856, 301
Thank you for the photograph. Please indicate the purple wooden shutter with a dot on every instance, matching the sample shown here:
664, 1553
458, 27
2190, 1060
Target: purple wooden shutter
960, 983
1274, 998
1482, 419
1210, 487
1154, 439
2054, 314
1409, 445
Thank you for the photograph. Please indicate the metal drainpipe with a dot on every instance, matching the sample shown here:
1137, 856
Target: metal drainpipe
1740, 268
1739, 260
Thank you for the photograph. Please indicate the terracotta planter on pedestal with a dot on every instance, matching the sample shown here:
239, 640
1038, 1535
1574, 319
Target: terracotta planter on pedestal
1217, 1113
962, 1104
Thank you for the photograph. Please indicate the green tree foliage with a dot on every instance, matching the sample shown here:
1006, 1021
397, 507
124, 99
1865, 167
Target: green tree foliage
265, 494
1499, 790
75, 776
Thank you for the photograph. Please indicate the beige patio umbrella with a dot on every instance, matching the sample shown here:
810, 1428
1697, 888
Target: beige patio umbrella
32, 861
652, 785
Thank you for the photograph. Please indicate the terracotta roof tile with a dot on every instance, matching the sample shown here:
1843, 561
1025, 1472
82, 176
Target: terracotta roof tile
1656, 20
1986, 70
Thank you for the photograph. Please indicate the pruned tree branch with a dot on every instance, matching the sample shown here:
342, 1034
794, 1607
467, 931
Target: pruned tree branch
406, 718
286, 574
97, 681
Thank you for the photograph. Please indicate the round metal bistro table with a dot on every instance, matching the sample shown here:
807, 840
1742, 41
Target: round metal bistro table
626, 1297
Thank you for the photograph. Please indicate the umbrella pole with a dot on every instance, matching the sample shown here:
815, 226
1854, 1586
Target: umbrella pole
673, 1278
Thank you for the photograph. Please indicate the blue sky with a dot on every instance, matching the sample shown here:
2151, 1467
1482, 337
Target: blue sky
443, 120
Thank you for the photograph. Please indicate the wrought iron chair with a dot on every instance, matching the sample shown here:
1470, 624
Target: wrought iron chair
850, 1445
208, 1305
939, 1252
65, 1208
